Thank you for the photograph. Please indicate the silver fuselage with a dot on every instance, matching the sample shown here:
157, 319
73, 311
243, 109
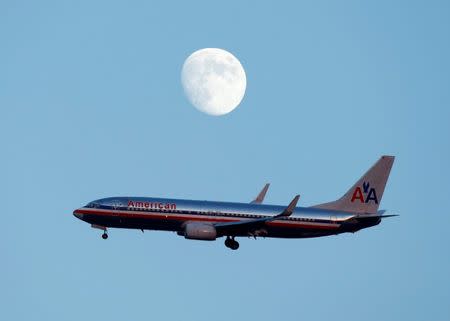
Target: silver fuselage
172, 215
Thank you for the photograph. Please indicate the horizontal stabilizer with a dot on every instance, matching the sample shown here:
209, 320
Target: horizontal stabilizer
379, 216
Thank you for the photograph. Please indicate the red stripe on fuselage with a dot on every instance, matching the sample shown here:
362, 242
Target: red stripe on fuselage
203, 218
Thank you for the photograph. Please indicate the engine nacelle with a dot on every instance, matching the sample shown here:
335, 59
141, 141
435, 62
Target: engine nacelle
200, 231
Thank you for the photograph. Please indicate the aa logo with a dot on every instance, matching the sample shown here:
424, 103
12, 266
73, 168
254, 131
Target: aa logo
365, 195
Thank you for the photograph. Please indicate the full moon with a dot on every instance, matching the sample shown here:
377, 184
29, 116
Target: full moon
214, 81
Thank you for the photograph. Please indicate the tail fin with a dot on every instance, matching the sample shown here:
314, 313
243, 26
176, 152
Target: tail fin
364, 197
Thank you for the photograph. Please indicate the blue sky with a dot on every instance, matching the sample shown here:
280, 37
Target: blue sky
92, 106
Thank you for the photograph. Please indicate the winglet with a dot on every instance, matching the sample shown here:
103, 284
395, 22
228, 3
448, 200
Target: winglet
291, 207
260, 198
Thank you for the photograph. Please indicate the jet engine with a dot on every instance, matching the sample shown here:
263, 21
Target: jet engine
200, 231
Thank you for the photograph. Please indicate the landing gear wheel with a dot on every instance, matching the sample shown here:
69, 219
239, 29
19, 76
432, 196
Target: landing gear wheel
231, 243
104, 236
228, 242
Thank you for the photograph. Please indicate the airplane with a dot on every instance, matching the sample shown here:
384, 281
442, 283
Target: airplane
206, 220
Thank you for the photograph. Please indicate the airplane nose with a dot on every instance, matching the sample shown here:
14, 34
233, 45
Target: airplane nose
77, 214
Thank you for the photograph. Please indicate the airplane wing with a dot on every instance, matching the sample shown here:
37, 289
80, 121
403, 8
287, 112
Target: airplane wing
247, 226
260, 198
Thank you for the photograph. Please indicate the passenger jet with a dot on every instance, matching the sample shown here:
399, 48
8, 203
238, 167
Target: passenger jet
205, 220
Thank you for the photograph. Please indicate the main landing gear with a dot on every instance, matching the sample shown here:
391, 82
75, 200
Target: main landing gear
104, 235
231, 243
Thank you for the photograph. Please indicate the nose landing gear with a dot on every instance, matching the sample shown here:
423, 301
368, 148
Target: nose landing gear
103, 228
231, 243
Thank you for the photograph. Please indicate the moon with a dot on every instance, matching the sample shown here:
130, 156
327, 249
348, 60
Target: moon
214, 81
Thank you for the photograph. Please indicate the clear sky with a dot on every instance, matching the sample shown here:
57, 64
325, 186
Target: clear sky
92, 106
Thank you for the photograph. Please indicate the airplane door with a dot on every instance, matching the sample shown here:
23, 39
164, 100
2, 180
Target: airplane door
117, 205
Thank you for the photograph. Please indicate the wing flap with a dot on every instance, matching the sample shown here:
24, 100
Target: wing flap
250, 225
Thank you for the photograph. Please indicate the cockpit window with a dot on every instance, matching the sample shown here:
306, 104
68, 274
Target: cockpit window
93, 205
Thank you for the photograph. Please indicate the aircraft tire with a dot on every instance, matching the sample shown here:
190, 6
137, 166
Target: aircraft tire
228, 242
231, 243
104, 236
234, 245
